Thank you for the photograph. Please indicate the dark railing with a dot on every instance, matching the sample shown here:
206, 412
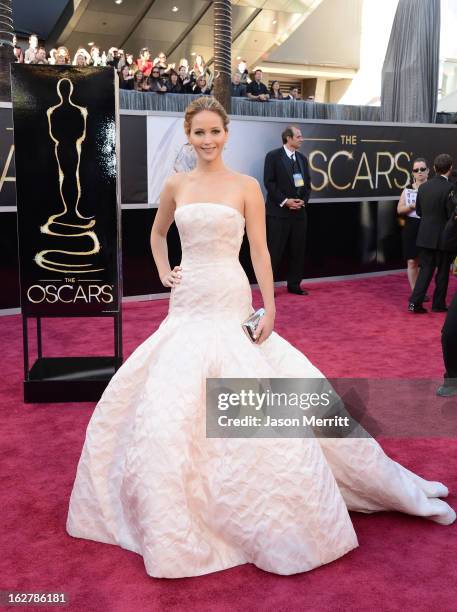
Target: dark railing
299, 109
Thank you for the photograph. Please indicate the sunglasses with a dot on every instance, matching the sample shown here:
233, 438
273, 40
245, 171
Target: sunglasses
415, 170
155, 72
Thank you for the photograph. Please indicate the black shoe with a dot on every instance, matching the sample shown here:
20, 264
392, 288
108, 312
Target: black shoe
443, 309
444, 391
416, 308
296, 290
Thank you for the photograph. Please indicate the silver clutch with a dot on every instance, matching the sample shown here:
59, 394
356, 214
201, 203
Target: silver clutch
251, 323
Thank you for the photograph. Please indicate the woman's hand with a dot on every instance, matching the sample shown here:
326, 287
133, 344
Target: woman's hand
264, 328
173, 278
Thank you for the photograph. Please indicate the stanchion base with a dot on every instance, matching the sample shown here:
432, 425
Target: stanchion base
68, 379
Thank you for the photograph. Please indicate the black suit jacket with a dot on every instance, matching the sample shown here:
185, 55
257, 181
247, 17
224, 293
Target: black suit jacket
434, 205
279, 182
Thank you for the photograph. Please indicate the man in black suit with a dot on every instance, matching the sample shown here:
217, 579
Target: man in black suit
434, 205
288, 184
449, 331
449, 346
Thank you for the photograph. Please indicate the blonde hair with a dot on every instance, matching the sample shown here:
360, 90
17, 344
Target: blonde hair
204, 103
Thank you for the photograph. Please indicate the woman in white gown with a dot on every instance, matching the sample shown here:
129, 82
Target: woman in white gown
148, 478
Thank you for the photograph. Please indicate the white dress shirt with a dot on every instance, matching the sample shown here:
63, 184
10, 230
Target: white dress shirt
291, 155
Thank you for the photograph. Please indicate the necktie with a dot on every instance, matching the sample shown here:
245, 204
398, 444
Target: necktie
295, 170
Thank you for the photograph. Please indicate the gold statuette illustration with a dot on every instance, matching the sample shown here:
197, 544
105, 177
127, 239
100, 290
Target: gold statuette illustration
67, 129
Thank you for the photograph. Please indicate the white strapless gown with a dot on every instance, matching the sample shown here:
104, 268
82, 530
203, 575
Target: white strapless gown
150, 481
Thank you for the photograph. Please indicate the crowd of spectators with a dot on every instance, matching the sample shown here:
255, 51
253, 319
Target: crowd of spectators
156, 75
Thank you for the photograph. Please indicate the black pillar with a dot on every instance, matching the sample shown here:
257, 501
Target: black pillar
223, 52
6, 48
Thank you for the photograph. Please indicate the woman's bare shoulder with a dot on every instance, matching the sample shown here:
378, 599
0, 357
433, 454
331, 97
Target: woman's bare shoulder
250, 183
175, 178
245, 179
173, 181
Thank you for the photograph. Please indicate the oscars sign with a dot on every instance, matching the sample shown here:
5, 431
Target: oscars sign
66, 171
368, 161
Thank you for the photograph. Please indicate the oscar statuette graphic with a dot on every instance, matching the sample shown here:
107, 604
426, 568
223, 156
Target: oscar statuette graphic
67, 124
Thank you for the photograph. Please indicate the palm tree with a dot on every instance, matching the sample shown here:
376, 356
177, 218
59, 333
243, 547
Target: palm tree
6, 48
222, 52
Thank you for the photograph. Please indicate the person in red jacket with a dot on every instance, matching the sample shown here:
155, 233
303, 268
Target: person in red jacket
144, 62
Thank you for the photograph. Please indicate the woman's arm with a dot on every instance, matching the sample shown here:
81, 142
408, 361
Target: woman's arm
402, 207
254, 212
163, 219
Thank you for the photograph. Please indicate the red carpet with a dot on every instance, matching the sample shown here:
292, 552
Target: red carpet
355, 328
